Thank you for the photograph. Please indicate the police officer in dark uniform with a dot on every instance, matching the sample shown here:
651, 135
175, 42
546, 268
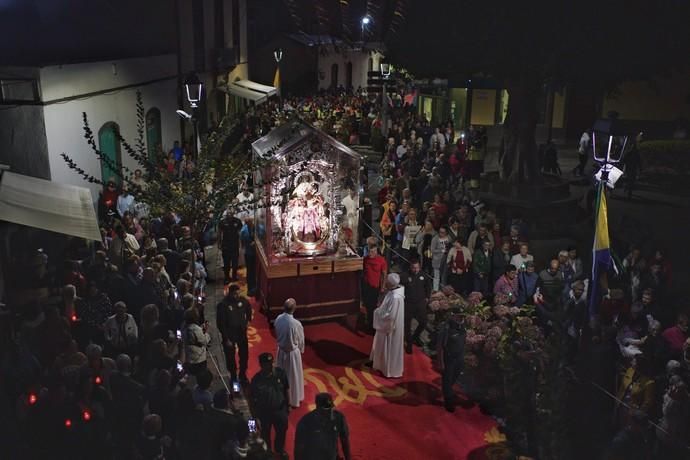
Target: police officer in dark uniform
452, 343
417, 291
229, 244
233, 315
269, 402
318, 432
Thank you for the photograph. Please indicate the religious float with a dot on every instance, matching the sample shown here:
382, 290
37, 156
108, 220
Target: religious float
307, 216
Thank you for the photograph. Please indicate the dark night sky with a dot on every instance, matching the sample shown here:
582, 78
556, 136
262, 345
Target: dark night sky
41, 32
44, 32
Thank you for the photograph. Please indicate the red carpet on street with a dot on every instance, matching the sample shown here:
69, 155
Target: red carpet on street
388, 418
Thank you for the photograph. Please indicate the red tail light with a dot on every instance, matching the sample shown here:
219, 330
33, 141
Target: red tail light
33, 399
86, 415
68, 423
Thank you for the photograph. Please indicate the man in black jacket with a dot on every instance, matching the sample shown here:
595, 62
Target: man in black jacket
229, 244
233, 315
452, 342
317, 433
224, 425
269, 402
417, 292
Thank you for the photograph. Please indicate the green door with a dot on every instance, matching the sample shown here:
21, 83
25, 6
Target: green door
109, 145
153, 134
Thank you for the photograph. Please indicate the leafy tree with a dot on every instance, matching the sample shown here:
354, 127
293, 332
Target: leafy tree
525, 46
217, 176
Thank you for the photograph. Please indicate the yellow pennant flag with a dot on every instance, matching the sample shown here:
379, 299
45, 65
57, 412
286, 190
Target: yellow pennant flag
276, 79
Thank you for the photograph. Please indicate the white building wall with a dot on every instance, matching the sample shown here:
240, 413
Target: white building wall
63, 121
360, 66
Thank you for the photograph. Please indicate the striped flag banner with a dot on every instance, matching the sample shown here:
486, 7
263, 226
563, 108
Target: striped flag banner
601, 250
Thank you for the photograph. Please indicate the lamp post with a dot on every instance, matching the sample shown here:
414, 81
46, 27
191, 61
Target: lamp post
609, 146
609, 143
385, 70
278, 56
365, 21
194, 91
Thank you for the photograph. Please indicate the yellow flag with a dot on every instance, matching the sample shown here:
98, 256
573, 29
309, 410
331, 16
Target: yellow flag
276, 79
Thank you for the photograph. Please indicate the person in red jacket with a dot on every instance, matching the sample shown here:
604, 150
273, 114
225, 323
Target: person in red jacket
676, 336
373, 276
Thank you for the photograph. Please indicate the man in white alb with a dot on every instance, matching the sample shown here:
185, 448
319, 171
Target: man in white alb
290, 339
389, 321
351, 205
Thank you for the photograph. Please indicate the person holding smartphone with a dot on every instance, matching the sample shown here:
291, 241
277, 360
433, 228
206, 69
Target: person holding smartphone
195, 339
269, 402
507, 284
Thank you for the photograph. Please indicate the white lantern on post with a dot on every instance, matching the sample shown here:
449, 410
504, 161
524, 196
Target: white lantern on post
194, 88
610, 143
386, 69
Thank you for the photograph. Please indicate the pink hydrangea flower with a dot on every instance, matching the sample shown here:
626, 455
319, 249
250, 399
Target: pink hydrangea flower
476, 342
475, 299
501, 310
437, 295
472, 321
494, 332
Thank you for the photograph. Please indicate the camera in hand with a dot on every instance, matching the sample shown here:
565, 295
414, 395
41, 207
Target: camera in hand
251, 424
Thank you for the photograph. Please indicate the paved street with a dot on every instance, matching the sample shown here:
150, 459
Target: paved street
214, 294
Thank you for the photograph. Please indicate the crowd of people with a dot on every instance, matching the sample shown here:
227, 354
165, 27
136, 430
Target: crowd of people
118, 366
435, 231
634, 341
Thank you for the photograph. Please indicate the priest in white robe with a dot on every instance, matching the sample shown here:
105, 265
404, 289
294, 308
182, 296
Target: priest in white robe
351, 205
290, 339
387, 352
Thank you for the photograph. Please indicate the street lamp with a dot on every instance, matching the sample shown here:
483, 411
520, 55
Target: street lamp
365, 21
386, 69
194, 89
609, 146
278, 56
